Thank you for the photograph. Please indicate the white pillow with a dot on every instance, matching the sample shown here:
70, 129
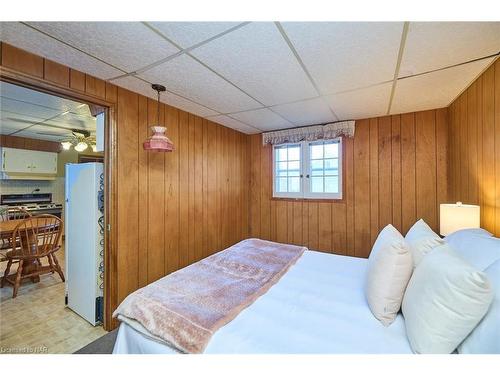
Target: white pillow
389, 269
422, 240
445, 299
479, 250
470, 231
485, 338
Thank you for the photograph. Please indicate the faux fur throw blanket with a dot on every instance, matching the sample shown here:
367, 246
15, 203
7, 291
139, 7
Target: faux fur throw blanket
187, 307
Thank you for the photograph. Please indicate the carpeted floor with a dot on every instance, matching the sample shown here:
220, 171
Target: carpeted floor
103, 345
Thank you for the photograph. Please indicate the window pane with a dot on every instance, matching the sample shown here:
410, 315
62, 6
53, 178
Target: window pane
288, 169
331, 150
282, 185
281, 154
331, 184
294, 166
317, 167
316, 151
331, 166
281, 166
317, 184
283, 173
294, 184
294, 153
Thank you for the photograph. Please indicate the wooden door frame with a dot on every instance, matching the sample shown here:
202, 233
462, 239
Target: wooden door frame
110, 152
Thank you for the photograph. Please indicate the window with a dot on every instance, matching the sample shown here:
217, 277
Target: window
308, 170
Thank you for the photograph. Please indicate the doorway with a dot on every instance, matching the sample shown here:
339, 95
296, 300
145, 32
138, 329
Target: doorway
55, 131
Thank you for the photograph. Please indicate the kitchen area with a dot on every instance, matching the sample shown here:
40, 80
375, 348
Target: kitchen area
51, 169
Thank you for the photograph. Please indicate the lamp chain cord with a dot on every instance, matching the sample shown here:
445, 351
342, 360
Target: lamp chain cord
158, 109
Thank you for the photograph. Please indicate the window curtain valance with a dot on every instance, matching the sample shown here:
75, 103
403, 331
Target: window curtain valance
310, 133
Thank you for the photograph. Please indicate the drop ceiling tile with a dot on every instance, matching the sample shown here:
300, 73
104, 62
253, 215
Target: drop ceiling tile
257, 59
35, 42
18, 107
436, 45
434, 90
126, 45
18, 121
190, 79
21, 107
71, 120
7, 116
363, 103
82, 110
136, 85
263, 118
35, 135
187, 34
234, 124
8, 127
306, 112
15, 96
347, 55
188, 106
48, 130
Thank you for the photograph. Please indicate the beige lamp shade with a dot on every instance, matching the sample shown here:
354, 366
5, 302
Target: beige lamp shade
453, 217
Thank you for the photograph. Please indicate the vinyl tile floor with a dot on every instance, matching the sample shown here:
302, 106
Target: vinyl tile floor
37, 321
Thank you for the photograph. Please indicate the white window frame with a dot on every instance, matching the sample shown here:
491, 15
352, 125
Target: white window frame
305, 172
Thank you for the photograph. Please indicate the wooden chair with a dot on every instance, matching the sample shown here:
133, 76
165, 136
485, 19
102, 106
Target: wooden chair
13, 213
6, 214
38, 237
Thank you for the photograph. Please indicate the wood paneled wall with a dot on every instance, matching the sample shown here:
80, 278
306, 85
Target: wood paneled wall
391, 176
176, 208
172, 209
474, 140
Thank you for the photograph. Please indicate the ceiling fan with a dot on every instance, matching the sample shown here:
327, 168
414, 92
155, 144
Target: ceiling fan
80, 140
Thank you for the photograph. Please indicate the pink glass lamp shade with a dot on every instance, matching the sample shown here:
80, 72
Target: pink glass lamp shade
158, 141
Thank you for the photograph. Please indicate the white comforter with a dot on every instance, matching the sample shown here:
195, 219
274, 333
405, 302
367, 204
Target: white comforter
317, 307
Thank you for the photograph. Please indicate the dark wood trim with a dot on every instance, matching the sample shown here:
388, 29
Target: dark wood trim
83, 158
96, 109
110, 259
40, 84
29, 144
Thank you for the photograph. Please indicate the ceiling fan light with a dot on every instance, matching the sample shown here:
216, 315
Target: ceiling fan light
66, 145
81, 146
94, 148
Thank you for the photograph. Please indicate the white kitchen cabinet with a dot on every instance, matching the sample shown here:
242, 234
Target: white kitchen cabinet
16, 160
28, 164
44, 162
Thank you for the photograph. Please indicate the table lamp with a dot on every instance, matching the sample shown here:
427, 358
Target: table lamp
456, 216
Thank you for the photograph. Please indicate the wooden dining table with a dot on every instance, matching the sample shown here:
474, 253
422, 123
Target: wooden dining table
7, 228
7, 231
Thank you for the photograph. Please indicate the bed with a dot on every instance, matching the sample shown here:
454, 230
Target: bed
318, 306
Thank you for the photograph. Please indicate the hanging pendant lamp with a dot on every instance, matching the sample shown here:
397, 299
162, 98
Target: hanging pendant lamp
158, 141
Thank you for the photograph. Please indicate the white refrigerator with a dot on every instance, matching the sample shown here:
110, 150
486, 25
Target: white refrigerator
84, 240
